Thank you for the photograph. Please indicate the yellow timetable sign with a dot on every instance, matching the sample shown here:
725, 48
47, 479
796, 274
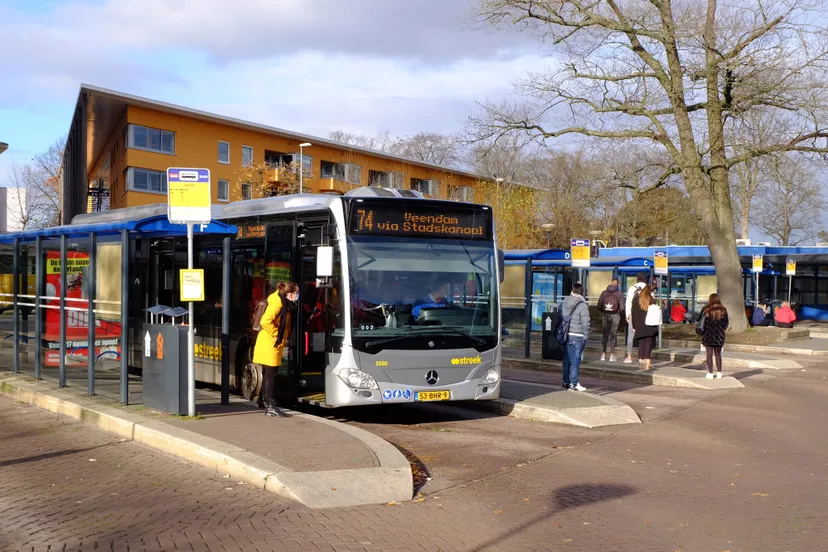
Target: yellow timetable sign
192, 285
660, 263
758, 263
790, 267
188, 196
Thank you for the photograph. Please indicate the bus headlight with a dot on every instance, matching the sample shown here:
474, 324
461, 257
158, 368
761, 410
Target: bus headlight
358, 379
491, 376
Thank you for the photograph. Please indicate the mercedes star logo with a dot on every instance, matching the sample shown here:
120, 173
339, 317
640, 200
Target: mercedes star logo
432, 377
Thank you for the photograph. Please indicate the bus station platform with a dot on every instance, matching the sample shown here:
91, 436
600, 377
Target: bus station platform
318, 462
550, 403
663, 374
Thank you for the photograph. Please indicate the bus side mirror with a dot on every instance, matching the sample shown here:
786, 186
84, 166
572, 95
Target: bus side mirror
324, 261
501, 264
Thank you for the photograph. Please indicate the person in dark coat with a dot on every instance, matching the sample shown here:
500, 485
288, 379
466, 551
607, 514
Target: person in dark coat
716, 323
644, 336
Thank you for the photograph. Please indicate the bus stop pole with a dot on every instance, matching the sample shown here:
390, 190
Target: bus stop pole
756, 293
190, 333
659, 298
91, 349
63, 280
225, 323
15, 309
790, 283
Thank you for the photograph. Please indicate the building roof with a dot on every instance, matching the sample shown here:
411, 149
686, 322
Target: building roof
105, 108
3, 147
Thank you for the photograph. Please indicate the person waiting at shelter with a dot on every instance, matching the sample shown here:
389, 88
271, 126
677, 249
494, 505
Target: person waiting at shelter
785, 316
678, 312
437, 299
646, 319
713, 331
760, 316
610, 304
576, 308
631, 295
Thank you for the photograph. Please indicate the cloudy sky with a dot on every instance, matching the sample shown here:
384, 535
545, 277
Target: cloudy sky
308, 65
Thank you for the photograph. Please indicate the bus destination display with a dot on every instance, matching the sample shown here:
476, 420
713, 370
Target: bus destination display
414, 220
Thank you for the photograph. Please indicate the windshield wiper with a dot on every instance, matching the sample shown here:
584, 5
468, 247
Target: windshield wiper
458, 331
427, 330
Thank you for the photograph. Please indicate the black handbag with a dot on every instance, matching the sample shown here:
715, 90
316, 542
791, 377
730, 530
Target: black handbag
700, 325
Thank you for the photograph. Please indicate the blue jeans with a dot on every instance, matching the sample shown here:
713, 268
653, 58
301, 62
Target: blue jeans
573, 352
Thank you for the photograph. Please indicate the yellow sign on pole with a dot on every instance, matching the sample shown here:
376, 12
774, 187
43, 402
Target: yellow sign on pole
758, 265
192, 285
660, 263
790, 267
579, 251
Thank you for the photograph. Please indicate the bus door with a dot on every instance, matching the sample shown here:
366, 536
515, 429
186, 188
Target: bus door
314, 320
280, 266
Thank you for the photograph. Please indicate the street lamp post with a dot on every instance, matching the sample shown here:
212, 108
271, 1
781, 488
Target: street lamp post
302, 164
548, 229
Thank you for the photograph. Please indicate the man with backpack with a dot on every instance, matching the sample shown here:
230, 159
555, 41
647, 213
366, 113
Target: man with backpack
610, 305
573, 333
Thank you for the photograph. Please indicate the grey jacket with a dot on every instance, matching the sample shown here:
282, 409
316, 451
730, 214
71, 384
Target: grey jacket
579, 326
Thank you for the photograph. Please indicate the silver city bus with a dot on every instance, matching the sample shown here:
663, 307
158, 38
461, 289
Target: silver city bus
398, 296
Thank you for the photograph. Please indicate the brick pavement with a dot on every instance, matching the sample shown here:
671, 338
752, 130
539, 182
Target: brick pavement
742, 471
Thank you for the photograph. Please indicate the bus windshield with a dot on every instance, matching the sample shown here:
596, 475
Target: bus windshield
411, 286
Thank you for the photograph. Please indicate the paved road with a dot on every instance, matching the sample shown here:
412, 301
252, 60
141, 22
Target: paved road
740, 471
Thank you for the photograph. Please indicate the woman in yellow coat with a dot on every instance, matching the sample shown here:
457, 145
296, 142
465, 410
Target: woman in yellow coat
272, 338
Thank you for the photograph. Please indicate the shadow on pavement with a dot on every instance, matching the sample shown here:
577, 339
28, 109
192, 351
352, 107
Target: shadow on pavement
565, 498
48, 455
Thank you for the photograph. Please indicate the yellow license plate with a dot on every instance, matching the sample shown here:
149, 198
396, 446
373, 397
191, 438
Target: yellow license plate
432, 396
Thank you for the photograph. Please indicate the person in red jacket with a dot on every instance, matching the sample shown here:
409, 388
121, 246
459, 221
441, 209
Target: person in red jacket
785, 316
678, 312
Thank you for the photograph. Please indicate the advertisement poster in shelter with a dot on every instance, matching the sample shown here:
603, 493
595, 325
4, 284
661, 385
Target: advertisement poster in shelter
107, 333
546, 286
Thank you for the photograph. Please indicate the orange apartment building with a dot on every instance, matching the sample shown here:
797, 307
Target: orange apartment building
120, 146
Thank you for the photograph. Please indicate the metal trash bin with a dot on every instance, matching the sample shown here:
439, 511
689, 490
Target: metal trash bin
164, 373
550, 348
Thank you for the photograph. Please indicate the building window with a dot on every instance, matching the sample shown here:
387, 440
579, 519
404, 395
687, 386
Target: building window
247, 155
464, 194
392, 180
426, 187
150, 139
247, 191
224, 152
224, 190
346, 172
146, 180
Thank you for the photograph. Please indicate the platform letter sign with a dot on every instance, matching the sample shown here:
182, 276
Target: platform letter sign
660, 263
757, 263
790, 267
579, 252
188, 196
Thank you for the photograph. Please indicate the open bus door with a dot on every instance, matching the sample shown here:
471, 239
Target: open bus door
290, 255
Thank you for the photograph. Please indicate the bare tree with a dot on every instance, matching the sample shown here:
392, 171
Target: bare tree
28, 207
791, 202
674, 74
381, 142
429, 147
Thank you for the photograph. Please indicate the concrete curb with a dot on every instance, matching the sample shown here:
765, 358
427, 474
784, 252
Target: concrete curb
697, 357
589, 417
391, 481
660, 377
